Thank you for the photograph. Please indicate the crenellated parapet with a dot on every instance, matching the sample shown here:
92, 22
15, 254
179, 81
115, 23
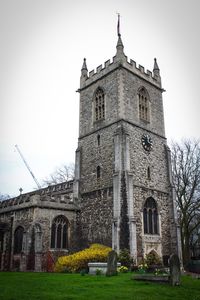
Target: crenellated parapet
120, 60
54, 196
111, 65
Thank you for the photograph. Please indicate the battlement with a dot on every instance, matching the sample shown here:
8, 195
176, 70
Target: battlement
55, 195
111, 65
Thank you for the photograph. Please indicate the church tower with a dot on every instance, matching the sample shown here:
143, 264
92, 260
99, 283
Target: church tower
123, 178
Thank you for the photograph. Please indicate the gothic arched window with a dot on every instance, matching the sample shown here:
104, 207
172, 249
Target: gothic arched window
59, 233
143, 104
150, 217
99, 105
18, 239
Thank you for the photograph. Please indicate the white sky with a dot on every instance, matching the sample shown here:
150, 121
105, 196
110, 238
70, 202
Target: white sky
42, 45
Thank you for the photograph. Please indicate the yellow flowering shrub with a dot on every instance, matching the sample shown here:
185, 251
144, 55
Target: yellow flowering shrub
79, 260
122, 269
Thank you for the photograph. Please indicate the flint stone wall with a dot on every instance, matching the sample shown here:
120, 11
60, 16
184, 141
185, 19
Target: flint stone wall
35, 211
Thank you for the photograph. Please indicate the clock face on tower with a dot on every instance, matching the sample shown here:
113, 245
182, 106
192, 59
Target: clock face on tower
147, 142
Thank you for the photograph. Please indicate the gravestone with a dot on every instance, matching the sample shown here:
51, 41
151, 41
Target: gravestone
175, 273
112, 264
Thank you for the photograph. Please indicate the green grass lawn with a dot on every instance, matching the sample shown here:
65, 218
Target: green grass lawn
51, 286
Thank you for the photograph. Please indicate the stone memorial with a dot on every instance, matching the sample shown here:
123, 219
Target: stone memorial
112, 264
175, 273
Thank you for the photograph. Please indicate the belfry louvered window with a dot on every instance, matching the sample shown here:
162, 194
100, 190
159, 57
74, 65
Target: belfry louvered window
150, 217
99, 105
143, 104
59, 233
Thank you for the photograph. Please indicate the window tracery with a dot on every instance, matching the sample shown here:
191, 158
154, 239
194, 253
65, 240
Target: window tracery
150, 217
59, 233
99, 105
143, 104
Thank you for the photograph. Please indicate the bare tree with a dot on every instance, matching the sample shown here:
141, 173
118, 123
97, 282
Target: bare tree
61, 174
4, 197
186, 178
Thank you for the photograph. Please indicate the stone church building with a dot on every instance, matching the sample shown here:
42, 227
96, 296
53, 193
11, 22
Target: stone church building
122, 194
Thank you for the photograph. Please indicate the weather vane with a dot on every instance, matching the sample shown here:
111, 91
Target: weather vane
118, 24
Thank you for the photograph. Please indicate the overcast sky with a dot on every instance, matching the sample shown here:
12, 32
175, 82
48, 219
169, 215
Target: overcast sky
42, 46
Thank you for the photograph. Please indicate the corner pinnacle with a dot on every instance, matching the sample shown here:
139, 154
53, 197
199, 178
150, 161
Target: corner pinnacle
84, 67
84, 70
155, 68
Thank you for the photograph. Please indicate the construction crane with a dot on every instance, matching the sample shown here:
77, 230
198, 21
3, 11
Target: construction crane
26, 164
